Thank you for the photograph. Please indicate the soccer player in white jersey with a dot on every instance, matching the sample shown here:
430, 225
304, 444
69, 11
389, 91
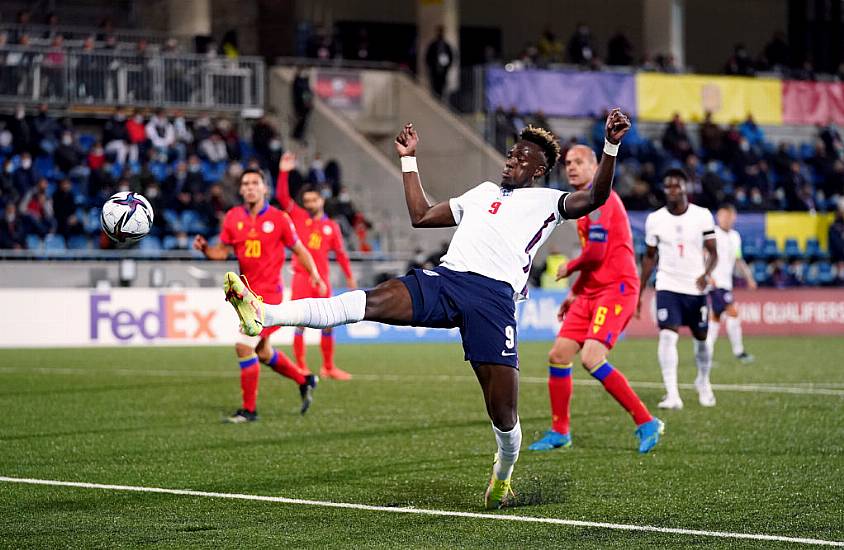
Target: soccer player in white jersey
721, 300
499, 230
680, 238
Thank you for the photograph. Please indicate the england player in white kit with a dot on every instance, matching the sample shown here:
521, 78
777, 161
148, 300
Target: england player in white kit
499, 230
680, 239
721, 301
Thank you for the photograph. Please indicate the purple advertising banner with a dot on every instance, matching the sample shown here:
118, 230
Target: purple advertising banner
560, 93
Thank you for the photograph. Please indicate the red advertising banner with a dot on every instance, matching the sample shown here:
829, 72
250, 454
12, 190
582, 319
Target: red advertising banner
341, 89
770, 312
812, 102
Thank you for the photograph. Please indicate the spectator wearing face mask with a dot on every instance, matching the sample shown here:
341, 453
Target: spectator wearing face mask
116, 137
37, 210
68, 156
214, 149
161, 134
21, 129
136, 129
25, 177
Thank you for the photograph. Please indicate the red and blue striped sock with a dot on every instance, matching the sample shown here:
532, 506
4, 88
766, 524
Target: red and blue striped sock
250, 369
560, 389
285, 367
616, 384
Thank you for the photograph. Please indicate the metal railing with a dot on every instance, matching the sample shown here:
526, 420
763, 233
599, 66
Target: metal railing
72, 76
41, 34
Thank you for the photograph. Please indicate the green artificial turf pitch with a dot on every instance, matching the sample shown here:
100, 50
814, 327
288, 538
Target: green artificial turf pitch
410, 431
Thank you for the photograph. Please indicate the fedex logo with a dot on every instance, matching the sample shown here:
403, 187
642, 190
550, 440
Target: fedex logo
169, 318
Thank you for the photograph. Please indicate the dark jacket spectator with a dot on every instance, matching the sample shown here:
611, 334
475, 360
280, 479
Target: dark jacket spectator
303, 102
12, 234
777, 54
21, 129
265, 141
619, 50
711, 138
64, 209
740, 62
25, 177
439, 58
46, 130
798, 190
675, 140
67, 156
580, 50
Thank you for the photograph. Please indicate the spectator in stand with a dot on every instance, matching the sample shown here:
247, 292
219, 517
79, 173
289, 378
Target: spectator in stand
303, 102
152, 192
619, 50
37, 210
184, 136
228, 133
798, 190
136, 130
833, 187
732, 144
96, 157
580, 49
675, 139
504, 130
777, 54
711, 189
214, 149
46, 130
161, 134
116, 137
8, 191
25, 177
754, 134
22, 131
53, 68
740, 62
68, 156
12, 232
438, 59
265, 141
711, 138
550, 47
836, 240
831, 138
64, 209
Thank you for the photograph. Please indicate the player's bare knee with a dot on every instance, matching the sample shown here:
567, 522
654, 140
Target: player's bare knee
563, 352
243, 350
592, 357
504, 419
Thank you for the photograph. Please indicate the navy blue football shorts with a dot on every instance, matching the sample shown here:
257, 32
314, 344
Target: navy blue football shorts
719, 299
675, 310
481, 307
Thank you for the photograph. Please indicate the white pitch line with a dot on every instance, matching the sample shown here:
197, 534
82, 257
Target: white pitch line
426, 512
796, 389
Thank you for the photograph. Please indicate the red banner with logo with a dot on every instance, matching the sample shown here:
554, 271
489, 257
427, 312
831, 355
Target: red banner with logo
341, 89
770, 312
812, 102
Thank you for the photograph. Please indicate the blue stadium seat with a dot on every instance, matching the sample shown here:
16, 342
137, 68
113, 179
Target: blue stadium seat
192, 223
173, 220
44, 165
54, 243
807, 150
159, 171
150, 243
79, 242
826, 274
91, 221
86, 141
34, 242
751, 249
760, 272
792, 249
814, 250
770, 251
116, 170
170, 243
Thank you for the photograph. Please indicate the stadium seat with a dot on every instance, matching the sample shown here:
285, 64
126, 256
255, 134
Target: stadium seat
53, 243
91, 221
191, 222
159, 171
826, 273
770, 250
150, 243
814, 250
170, 243
34, 242
792, 249
751, 249
86, 141
760, 272
78, 242
173, 220
807, 150
44, 165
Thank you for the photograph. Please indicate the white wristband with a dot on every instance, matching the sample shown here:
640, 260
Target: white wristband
611, 149
408, 164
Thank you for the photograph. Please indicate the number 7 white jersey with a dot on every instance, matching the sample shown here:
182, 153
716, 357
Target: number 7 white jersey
679, 242
499, 231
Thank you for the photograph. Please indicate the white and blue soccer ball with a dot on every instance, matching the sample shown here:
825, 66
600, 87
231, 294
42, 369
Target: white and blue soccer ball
127, 217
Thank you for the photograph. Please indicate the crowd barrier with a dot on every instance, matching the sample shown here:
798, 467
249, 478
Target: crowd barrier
200, 316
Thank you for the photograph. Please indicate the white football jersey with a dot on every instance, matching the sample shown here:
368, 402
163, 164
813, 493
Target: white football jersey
500, 230
679, 241
729, 250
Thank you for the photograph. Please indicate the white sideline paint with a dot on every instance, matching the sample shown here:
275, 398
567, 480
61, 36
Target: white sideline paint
799, 388
423, 511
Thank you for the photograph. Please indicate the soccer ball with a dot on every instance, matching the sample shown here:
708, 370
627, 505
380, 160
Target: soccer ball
126, 217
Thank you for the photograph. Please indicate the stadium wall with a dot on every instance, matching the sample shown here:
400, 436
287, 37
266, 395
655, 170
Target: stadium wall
199, 316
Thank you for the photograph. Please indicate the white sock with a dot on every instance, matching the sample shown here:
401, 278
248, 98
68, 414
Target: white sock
668, 359
348, 307
703, 360
734, 334
508, 450
712, 336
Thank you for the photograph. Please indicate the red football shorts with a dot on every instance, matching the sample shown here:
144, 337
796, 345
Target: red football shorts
302, 288
601, 317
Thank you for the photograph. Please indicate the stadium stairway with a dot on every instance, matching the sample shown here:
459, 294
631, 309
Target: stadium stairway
453, 157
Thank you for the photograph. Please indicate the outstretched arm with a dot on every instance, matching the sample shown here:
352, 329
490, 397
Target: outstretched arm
219, 251
580, 203
422, 212
282, 188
